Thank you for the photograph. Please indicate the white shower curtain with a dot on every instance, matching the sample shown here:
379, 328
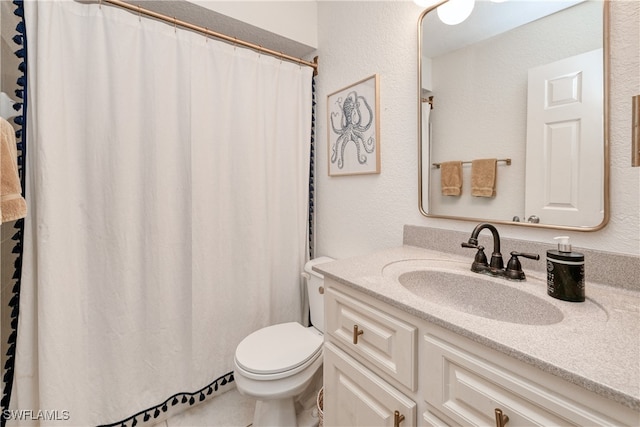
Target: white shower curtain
167, 191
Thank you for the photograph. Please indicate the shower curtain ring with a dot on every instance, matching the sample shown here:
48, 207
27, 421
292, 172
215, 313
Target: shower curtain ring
175, 25
206, 35
139, 14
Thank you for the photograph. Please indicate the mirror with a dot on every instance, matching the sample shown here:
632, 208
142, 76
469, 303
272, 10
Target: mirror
525, 83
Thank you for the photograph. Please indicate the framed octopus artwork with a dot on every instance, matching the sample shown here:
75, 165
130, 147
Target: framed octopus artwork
354, 129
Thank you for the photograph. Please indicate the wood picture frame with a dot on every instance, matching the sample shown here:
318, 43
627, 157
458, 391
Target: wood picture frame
353, 128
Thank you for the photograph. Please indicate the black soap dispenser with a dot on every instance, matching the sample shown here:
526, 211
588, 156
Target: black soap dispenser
565, 272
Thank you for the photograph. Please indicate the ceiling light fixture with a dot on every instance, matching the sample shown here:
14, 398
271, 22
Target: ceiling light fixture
454, 12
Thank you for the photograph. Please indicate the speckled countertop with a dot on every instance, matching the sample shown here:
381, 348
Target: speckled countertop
596, 345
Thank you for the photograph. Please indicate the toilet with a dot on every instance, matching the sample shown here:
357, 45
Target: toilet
276, 363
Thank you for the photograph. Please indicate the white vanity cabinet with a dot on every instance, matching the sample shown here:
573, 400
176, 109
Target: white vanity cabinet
466, 384
355, 396
385, 367
370, 362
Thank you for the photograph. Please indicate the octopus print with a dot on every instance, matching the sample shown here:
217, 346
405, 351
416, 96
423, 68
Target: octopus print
355, 120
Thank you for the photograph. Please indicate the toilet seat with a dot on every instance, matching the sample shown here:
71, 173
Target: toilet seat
278, 351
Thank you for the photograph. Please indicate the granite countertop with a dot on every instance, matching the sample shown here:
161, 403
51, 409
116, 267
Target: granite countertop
596, 345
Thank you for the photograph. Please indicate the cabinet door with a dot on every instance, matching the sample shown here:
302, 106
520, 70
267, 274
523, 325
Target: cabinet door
468, 388
387, 343
355, 396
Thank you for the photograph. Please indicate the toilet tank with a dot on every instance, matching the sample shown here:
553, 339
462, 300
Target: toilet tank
315, 291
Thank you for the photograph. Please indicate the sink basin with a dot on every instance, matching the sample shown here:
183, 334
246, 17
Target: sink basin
480, 295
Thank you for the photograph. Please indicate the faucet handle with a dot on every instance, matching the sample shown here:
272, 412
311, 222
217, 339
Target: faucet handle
525, 255
514, 268
480, 261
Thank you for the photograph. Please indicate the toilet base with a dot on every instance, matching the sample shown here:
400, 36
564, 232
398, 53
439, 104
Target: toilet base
277, 408
277, 412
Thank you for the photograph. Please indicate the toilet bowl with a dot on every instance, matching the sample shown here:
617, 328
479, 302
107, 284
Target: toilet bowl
275, 364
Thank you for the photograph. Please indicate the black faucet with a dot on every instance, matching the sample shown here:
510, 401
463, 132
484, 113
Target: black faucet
480, 263
496, 267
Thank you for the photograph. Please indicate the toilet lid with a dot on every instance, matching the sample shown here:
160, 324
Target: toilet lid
278, 348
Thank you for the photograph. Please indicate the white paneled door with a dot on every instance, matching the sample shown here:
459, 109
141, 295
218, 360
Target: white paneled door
565, 148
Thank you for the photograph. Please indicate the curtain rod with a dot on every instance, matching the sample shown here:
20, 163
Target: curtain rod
203, 30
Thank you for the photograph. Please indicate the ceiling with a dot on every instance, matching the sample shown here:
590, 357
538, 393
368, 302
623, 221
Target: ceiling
487, 20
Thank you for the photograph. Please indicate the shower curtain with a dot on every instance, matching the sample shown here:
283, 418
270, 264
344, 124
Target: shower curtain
168, 190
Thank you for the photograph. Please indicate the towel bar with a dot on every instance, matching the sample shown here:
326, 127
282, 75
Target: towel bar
507, 161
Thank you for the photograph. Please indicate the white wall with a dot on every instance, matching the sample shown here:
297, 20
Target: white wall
357, 214
284, 26
360, 214
291, 19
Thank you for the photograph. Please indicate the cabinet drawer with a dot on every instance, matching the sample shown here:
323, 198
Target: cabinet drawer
355, 396
385, 342
467, 389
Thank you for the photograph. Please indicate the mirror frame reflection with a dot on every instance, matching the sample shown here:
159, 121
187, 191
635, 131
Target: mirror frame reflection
424, 169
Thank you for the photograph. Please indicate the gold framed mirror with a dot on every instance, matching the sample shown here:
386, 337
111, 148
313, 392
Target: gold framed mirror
513, 112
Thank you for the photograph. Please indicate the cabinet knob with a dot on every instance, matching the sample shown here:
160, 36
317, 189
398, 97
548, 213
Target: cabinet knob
501, 419
397, 419
356, 333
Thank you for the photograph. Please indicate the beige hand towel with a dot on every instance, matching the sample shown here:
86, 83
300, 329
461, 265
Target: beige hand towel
483, 177
12, 204
451, 178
